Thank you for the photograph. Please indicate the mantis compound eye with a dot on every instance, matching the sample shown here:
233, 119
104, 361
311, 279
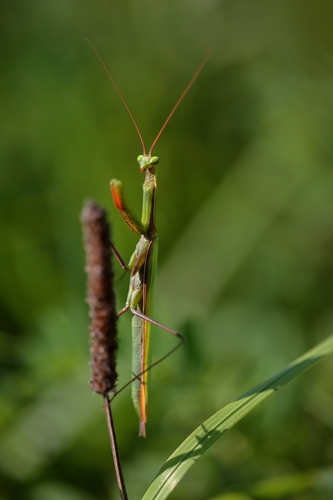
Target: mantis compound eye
154, 160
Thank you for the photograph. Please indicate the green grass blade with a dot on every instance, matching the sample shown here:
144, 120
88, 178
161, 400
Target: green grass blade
212, 429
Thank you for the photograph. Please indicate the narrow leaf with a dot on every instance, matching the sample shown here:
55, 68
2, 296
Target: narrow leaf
212, 429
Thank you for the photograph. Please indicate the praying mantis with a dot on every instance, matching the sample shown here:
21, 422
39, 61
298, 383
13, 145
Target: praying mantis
143, 262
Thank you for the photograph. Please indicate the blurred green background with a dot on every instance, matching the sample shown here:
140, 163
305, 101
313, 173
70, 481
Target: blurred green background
245, 218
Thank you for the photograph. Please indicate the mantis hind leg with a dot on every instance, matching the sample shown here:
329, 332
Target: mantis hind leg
158, 324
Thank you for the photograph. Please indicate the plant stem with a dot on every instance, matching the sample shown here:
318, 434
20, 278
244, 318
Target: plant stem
114, 448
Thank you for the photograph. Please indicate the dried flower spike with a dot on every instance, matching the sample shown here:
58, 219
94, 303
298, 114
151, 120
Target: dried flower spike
101, 299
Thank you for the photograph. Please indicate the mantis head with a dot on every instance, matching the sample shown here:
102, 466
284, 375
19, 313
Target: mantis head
147, 161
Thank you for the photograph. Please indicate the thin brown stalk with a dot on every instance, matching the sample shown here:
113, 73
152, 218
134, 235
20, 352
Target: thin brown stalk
114, 448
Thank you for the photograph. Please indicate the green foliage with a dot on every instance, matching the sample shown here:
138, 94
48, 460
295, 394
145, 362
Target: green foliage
245, 219
196, 445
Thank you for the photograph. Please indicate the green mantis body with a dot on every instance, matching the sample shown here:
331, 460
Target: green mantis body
143, 267
143, 262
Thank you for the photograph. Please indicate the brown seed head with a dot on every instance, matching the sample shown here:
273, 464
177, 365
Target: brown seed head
101, 298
